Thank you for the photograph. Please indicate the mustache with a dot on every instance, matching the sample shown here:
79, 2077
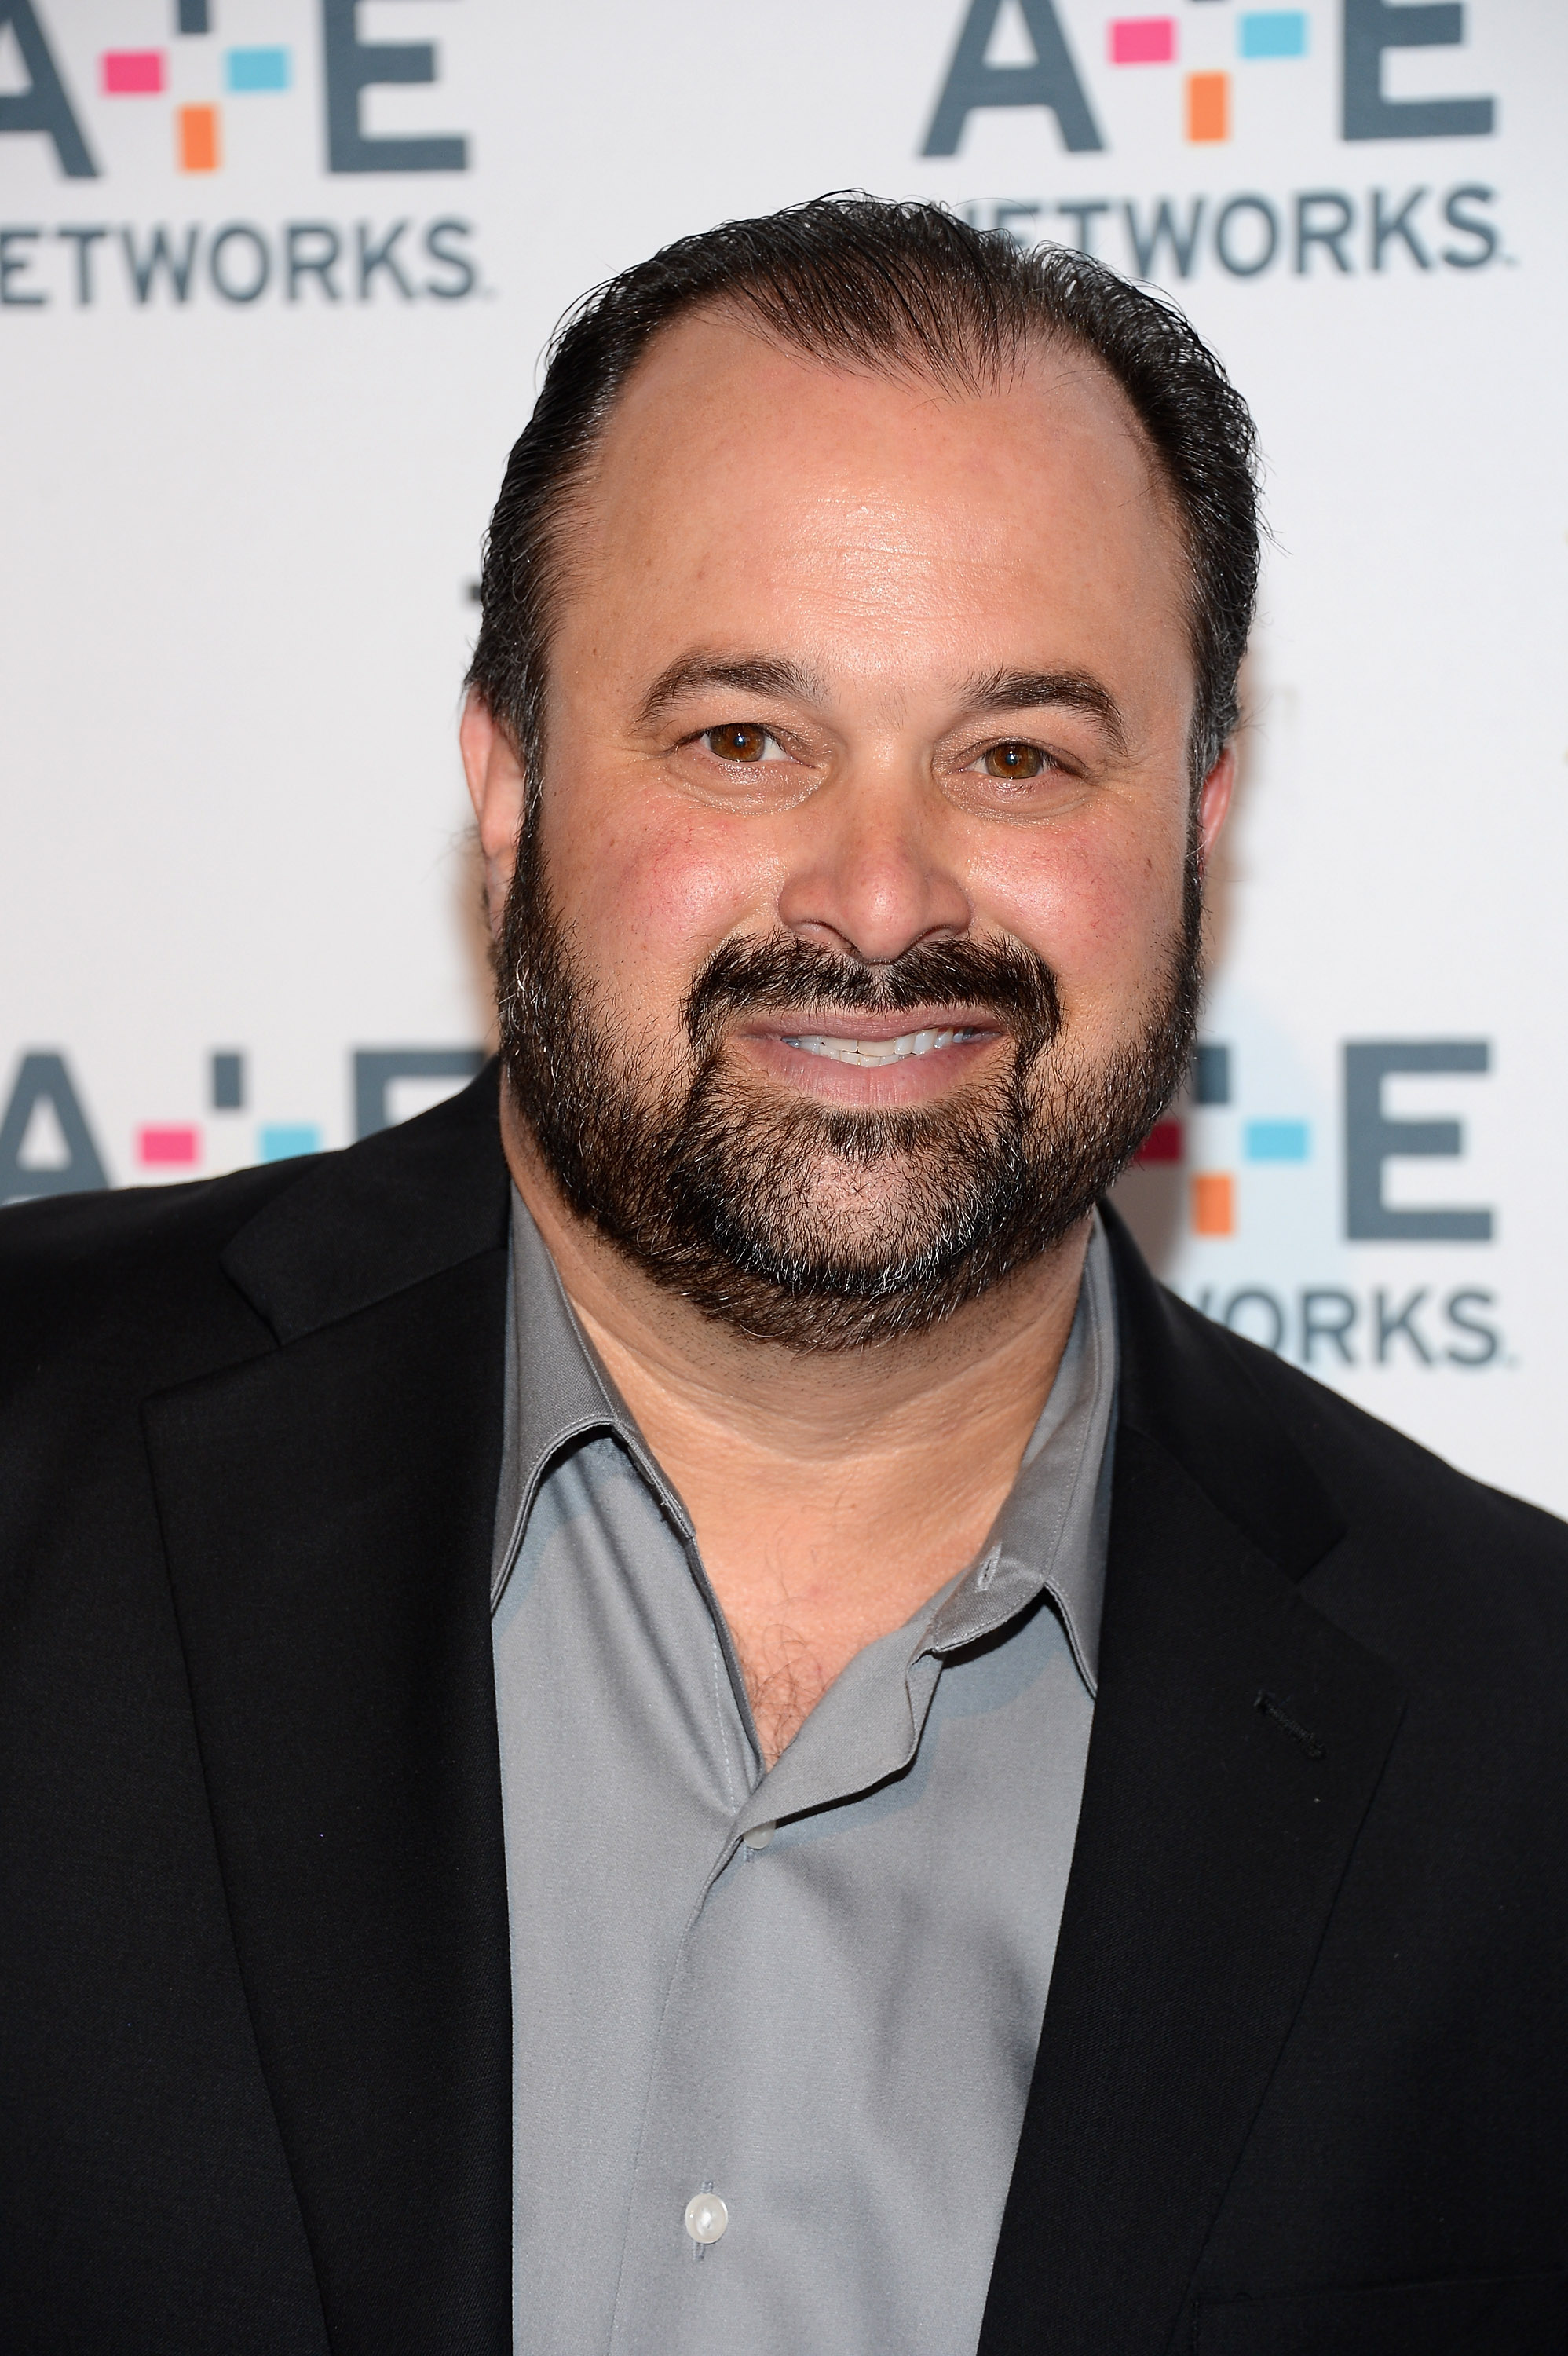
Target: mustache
782, 975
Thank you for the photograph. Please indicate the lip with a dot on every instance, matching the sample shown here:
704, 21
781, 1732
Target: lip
913, 1080
838, 1022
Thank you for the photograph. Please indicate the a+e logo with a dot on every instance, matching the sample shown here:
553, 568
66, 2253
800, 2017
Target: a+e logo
1263, 35
350, 66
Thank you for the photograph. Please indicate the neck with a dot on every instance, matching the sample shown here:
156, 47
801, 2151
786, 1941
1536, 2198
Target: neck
832, 1493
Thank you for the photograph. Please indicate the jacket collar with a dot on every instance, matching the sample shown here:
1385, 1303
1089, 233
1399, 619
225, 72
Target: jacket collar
1188, 1386
398, 1207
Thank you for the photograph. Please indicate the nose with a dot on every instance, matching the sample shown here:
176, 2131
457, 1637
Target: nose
869, 876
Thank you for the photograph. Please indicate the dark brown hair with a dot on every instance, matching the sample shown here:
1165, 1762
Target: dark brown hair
854, 280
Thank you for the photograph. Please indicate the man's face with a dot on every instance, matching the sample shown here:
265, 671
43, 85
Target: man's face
852, 948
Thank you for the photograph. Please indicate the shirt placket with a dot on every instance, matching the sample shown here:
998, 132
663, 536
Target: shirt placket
673, 2226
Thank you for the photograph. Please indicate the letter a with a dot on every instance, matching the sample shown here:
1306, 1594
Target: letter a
1052, 81
43, 1086
42, 105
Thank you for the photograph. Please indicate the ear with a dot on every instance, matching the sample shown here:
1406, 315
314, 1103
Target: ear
496, 789
1213, 801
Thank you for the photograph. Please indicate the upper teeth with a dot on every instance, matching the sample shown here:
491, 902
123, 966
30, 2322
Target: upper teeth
877, 1051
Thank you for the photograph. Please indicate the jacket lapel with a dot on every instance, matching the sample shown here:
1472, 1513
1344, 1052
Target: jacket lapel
327, 1512
1211, 1842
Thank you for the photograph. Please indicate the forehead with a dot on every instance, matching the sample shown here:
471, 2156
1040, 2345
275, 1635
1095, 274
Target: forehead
734, 477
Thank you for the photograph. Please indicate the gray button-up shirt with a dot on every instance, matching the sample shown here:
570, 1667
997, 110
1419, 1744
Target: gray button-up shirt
773, 2032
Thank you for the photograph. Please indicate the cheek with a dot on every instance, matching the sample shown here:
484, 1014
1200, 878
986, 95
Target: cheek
1099, 904
654, 886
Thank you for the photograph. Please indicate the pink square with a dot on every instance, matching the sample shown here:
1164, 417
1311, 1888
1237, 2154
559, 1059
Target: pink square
167, 1148
133, 73
1143, 40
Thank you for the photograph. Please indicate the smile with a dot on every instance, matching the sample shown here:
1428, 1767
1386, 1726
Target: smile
873, 1052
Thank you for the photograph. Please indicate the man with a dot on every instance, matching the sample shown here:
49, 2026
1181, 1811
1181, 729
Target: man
674, 1710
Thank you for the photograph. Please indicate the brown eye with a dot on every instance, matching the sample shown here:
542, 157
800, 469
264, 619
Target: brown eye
1014, 761
744, 741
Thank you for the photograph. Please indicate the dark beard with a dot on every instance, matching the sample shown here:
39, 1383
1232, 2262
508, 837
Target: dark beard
705, 1181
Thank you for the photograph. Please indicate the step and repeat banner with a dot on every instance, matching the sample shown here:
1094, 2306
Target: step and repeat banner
274, 278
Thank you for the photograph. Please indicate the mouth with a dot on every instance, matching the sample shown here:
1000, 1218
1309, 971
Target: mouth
874, 1054
914, 1057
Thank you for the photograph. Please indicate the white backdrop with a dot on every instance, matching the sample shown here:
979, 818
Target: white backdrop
246, 471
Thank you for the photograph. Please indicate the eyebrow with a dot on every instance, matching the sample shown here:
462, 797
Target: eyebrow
751, 674
996, 690
1020, 690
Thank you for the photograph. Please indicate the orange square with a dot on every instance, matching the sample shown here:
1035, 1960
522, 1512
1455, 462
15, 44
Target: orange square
197, 129
1208, 106
1214, 1204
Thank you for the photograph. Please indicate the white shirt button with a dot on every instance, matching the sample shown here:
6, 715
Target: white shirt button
706, 2217
760, 1835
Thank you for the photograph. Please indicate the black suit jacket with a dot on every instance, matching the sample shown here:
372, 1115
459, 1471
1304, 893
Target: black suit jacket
1301, 2082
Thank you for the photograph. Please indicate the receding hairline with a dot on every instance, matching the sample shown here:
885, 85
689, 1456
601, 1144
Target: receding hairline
965, 375
911, 363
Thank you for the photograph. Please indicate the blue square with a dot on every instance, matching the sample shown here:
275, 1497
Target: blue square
281, 1139
256, 68
1276, 1140
1211, 1073
1276, 33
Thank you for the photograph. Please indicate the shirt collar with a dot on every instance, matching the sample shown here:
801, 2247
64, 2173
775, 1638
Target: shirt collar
557, 1392
1049, 1537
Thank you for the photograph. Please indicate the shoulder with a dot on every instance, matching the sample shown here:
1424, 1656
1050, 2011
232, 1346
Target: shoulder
1454, 1581
1459, 1586
153, 1285
56, 1238
1244, 1421
1391, 1482
142, 1268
